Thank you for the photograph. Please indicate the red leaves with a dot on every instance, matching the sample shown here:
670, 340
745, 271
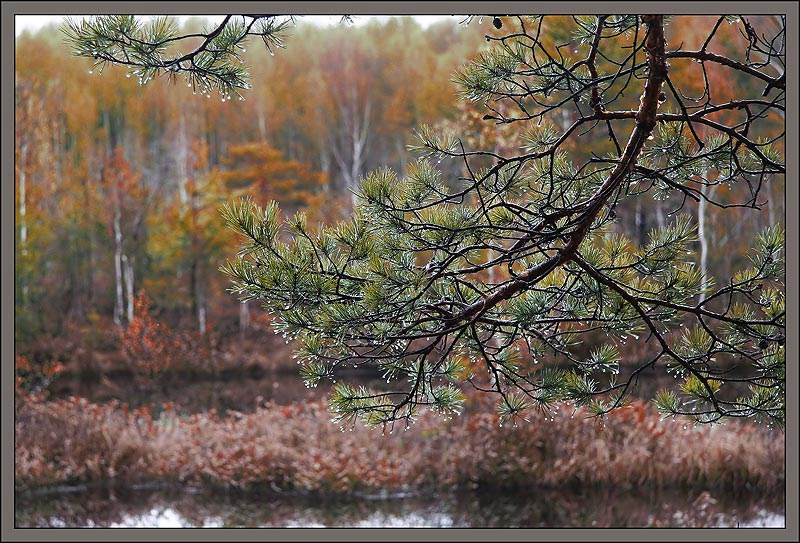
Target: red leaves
147, 343
153, 347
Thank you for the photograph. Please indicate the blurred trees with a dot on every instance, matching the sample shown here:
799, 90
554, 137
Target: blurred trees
261, 171
127, 201
119, 184
185, 241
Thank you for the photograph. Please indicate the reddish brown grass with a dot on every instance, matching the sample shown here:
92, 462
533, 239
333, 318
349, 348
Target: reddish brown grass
297, 447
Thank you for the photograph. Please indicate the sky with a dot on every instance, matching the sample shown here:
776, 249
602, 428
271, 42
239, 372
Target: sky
35, 22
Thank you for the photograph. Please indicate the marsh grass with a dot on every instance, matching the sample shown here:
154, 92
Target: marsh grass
296, 448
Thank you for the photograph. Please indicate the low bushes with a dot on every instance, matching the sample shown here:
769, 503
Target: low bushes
296, 447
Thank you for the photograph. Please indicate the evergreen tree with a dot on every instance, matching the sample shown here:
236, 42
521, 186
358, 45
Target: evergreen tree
405, 286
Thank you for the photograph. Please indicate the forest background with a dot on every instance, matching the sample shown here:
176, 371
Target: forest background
119, 185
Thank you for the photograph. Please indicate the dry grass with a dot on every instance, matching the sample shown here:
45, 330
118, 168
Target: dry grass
297, 447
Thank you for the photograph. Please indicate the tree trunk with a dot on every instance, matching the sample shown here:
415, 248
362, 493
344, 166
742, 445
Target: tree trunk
118, 301
349, 148
701, 233
127, 266
23, 212
325, 166
92, 242
660, 215
183, 156
262, 121
770, 205
244, 318
641, 226
198, 294
201, 312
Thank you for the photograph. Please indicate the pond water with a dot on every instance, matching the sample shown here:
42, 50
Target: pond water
241, 393
244, 392
173, 507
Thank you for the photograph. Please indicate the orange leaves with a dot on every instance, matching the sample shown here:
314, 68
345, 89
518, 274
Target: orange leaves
21, 364
127, 197
105, 146
52, 369
262, 171
198, 160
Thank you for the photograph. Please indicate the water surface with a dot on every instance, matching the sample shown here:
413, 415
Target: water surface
169, 508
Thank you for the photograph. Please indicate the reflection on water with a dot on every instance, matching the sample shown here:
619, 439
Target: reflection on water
170, 518
165, 518
538, 509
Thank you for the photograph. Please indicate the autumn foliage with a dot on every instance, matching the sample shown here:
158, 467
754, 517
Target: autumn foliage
152, 347
119, 241
120, 185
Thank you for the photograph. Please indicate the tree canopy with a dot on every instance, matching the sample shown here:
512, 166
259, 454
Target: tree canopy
496, 275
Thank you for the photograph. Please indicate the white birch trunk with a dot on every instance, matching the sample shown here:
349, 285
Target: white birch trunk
118, 300
183, 154
127, 266
701, 233
356, 131
705, 242
244, 318
23, 210
262, 120
201, 313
